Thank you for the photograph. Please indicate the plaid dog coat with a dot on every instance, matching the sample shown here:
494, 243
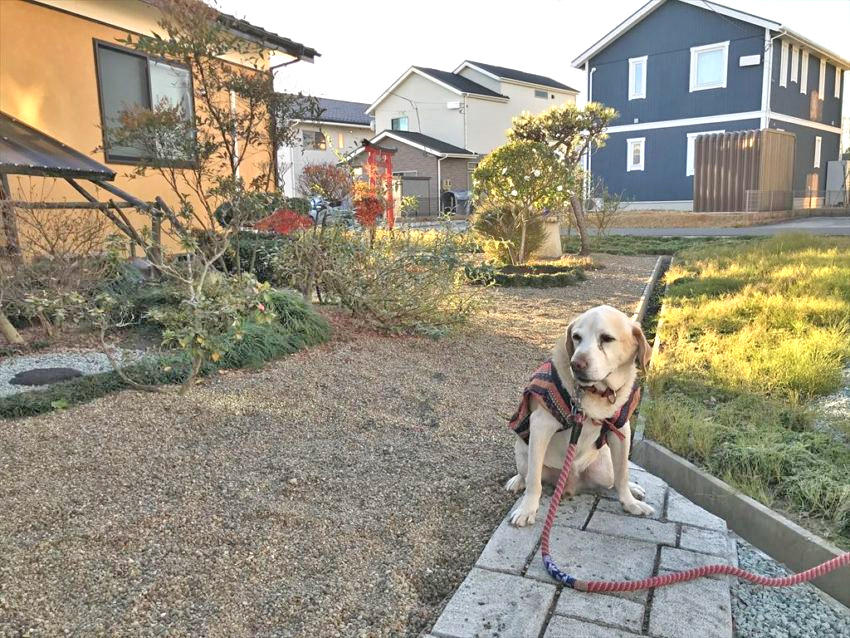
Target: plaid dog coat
546, 385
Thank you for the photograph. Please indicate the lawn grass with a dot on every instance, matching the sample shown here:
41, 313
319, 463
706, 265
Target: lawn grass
751, 334
633, 245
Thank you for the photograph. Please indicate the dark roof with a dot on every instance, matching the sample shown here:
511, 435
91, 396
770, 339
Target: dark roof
268, 38
343, 111
441, 147
522, 76
26, 151
459, 82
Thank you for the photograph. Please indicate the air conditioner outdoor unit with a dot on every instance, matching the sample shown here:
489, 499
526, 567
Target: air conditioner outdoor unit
447, 184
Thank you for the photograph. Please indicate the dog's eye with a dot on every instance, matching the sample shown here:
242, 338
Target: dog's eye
577, 338
606, 339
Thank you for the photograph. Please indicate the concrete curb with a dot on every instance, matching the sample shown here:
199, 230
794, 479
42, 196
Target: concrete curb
771, 532
643, 302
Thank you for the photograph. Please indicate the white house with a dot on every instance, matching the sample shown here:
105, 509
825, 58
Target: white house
459, 115
470, 107
339, 130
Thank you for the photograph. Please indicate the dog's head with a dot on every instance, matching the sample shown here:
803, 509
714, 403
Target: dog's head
603, 345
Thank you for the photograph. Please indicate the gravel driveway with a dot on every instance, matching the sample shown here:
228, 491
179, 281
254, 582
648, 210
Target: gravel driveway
343, 491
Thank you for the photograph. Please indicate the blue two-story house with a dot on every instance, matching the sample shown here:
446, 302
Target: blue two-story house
678, 68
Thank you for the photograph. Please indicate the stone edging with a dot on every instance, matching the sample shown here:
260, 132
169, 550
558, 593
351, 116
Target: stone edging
643, 302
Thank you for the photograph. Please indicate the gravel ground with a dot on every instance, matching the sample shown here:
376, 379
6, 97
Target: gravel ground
791, 612
342, 491
86, 361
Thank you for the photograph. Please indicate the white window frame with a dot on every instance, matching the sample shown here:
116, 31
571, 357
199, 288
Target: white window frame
783, 64
822, 79
795, 62
689, 153
543, 95
838, 73
804, 73
630, 166
637, 93
706, 48
818, 145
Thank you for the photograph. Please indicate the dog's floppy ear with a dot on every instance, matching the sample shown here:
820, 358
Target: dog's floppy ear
644, 350
568, 342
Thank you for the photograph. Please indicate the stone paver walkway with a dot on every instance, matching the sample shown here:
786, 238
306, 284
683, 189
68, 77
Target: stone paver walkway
508, 593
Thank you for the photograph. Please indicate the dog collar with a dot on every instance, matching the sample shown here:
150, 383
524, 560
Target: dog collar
608, 393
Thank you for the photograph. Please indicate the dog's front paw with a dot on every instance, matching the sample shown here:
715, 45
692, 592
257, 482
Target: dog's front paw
638, 508
515, 484
525, 511
637, 491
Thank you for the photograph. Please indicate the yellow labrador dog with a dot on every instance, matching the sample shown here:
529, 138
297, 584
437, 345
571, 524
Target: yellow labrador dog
595, 363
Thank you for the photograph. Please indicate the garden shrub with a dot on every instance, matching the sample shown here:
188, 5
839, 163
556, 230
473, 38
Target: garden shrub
392, 285
499, 230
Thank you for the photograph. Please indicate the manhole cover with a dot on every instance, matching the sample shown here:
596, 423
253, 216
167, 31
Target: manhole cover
44, 376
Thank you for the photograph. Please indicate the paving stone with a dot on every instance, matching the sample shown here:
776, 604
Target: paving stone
44, 376
704, 540
592, 556
679, 560
563, 627
637, 527
682, 510
697, 608
599, 608
490, 604
510, 547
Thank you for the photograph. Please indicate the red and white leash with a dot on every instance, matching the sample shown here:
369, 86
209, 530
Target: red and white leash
668, 579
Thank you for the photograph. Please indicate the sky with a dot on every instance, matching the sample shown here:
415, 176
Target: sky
366, 45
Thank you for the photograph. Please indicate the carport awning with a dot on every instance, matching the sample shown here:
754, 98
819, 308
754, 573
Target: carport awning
27, 151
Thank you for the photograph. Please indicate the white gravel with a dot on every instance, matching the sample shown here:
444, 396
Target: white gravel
86, 361
789, 612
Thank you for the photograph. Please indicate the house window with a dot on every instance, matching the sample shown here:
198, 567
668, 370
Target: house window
817, 151
399, 123
708, 66
804, 73
541, 94
129, 81
822, 80
783, 65
314, 140
795, 62
637, 78
838, 82
634, 150
689, 162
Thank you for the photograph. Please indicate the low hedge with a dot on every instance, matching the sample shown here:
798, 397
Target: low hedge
531, 276
297, 327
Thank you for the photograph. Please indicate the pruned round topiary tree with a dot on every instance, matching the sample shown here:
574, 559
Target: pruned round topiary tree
514, 186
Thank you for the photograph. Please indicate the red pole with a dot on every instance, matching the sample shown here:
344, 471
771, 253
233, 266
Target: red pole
388, 163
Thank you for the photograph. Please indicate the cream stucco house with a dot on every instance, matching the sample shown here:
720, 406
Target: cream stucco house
338, 130
439, 123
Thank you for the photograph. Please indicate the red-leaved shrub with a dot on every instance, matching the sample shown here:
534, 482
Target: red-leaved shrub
284, 222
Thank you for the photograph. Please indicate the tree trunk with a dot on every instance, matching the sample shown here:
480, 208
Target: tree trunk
581, 225
9, 331
521, 256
